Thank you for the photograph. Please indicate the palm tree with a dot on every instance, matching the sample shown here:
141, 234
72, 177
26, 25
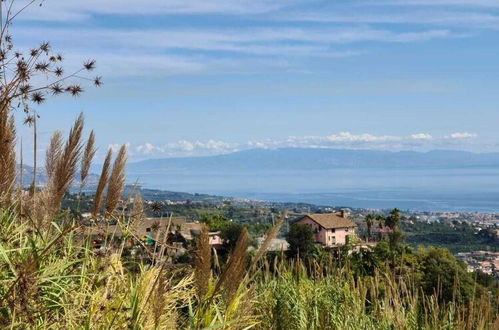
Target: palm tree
393, 219
381, 220
369, 222
381, 223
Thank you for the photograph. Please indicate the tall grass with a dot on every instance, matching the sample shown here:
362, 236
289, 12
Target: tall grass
293, 300
51, 278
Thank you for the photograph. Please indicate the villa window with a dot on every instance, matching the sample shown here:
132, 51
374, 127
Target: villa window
148, 230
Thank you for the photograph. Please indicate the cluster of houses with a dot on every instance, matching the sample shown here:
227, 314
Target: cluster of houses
330, 230
173, 230
484, 261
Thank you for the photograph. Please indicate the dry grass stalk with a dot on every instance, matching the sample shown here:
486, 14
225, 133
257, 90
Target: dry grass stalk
202, 265
158, 301
116, 181
136, 217
235, 269
88, 156
270, 236
138, 208
53, 153
7, 155
102, 183
24, 295
66, 166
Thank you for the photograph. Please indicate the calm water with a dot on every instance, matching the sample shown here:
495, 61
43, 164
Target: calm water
465, 189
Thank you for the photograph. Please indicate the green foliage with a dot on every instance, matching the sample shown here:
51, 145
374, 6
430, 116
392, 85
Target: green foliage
444, 276
457, 237
215, 222
321, 297
365, 262
230, 233
369, 223
301, 240
393, 220
486, 280
395, 239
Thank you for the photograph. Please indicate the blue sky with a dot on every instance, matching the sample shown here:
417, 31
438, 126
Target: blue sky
198, 77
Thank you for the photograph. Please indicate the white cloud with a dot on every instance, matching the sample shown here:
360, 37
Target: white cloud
157, 52
182, 145
74, 10
118, 65
421, 136
472, 19
347, 140
348, 137
67, 10
241, 40
116, 146
254, 47
172, 51
462, 135
186, 148
148, 148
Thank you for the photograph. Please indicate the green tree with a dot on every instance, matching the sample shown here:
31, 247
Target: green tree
381, 220
383, 252
369, 222
442, 274
393, 220
381, 223
215, 222
395, 240
301, 240
364, 262
230, 233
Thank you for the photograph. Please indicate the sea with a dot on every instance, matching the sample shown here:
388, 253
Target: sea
474, 189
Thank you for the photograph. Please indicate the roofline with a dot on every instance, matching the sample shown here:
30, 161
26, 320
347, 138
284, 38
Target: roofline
308, 216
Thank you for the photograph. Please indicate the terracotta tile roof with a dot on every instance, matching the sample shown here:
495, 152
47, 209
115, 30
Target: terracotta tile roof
329, 220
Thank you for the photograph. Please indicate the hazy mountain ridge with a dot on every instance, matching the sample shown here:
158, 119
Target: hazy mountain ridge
318, 159
41, 177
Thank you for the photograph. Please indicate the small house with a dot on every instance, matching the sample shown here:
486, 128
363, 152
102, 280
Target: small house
330, 229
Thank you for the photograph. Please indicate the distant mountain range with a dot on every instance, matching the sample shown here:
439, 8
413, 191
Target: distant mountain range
317, 159
41, 177
434, 180
296, 159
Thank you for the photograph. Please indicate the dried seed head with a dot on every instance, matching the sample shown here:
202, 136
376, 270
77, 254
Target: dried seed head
116, 181
88, 155
202, 263
102, 183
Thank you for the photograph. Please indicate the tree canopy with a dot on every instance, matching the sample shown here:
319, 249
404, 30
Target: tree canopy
301, 240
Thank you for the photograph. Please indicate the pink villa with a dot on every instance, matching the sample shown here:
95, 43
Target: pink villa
330, 229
